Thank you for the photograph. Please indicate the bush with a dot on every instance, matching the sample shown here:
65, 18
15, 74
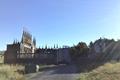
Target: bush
79, 50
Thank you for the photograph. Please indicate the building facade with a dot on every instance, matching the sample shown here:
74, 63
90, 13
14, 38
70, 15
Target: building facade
25, 51
25, 46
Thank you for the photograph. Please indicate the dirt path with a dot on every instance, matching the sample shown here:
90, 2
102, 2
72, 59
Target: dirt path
60, 72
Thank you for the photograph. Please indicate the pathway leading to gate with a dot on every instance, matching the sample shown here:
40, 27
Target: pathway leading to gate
59, 72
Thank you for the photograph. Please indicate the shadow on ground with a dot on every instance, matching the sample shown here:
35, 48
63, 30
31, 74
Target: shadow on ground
61, 69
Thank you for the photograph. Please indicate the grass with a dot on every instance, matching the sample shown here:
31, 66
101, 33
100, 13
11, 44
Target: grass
1, 59
109, 71
9, 72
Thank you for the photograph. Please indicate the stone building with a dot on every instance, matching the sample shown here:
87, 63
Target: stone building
25, 51
25, 46
63, 55
46, 56
10, 54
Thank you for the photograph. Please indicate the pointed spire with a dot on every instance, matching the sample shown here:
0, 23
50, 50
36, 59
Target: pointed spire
14, 42
42, 47
26, 34
23, 34
54, 46
34, 41
57, 46
46, 47
39, 47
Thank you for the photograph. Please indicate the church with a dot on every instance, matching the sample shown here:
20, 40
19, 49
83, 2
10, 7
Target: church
25, 51
26, 45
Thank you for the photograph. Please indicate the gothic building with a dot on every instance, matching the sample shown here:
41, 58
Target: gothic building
26, 45
25, 51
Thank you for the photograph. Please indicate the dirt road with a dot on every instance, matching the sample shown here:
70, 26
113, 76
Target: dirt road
60, 72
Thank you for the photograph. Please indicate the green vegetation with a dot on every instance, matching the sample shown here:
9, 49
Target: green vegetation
81, 49
109, 71
9, 72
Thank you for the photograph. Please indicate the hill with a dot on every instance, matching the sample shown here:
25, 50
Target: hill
109, 71
98, 66
105, 50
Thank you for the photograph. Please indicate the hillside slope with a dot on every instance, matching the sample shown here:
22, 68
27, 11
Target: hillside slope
111, 52
105, 50
109, 71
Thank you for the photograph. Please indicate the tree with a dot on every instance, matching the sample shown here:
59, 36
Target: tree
91, 45
80, 50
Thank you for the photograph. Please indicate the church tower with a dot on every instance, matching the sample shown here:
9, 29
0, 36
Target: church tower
26, 42
33, 45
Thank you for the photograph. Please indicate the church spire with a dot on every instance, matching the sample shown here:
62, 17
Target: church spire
34, 41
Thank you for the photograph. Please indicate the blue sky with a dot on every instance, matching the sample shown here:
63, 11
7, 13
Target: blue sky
62, 22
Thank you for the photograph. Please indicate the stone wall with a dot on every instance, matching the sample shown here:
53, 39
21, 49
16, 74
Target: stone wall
10, 55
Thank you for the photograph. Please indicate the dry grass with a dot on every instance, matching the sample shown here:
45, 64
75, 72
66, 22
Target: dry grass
109, 71
1, 59
9, 72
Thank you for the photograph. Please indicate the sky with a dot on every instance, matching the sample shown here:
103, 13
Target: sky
62, 22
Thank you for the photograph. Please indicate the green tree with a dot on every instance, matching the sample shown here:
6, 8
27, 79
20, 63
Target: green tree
80, 50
